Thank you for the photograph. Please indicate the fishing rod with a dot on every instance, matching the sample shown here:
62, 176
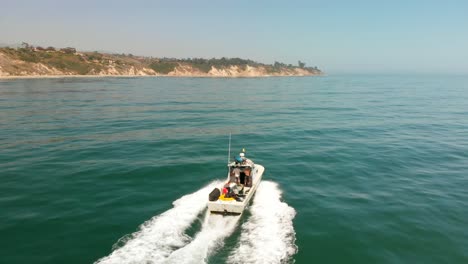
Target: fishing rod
229, 150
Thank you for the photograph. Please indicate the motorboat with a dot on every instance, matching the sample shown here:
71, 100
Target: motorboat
235, 193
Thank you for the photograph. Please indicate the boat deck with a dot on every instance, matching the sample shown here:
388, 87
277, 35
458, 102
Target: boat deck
233, 206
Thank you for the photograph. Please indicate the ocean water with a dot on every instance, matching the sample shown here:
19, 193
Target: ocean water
359, 169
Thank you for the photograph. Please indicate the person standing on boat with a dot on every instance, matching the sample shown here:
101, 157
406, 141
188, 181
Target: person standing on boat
247, 171
231, 189
235, 174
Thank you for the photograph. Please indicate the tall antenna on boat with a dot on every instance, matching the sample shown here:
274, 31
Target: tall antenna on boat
229, 151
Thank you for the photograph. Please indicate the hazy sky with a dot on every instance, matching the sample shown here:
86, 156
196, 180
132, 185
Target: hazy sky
337, 36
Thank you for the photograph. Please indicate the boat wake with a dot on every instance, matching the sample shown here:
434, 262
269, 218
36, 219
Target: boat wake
161, 235
211, 237
267, 236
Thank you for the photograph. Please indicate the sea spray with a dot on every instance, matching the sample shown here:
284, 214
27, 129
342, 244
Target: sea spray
161, 235
268, 236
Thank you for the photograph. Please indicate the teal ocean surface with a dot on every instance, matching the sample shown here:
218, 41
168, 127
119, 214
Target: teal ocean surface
359, 169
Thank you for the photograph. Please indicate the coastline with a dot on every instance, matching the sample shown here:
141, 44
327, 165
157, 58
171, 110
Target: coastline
19, 77
38, 63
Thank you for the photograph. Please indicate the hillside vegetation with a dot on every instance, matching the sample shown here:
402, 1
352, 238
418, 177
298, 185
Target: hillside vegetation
37, 61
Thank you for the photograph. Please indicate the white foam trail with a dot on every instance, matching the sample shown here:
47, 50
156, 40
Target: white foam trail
161, 235
211, 237
268, 236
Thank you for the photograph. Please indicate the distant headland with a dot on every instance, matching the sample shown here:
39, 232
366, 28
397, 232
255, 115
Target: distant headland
27, 61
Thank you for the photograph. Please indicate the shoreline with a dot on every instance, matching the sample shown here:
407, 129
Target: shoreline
19, 77
15, 77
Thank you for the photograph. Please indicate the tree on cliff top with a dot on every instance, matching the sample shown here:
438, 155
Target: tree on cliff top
301, 64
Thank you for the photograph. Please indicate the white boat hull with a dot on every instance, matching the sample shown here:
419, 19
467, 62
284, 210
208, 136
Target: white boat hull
237, 207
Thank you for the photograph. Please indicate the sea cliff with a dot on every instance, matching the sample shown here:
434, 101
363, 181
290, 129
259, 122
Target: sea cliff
29, 61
